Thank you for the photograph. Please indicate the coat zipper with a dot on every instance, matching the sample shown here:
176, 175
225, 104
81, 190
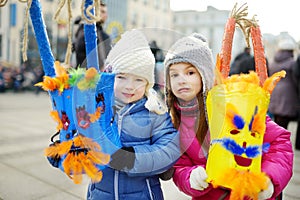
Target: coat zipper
120, 118
116, 185
149, 189
116, 175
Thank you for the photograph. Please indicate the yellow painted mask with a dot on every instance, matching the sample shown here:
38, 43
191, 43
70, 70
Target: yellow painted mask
240, 109
236, 110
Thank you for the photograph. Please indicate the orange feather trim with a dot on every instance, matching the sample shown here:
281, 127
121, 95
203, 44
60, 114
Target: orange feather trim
77, 169
86, 142
60, 82
242, 183
54, 114
48, 84
89, 168
51, 151
73, 168
252, 77
98, 177
219, 79
257, 126
78, 163
67, 163
65, 147
91, 73
58, 149
78, 141
271, 82
61, 76
98, 157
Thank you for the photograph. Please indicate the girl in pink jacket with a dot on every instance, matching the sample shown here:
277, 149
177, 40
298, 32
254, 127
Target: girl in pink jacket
189, 76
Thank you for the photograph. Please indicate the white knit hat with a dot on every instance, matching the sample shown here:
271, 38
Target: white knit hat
193, 49
132, 55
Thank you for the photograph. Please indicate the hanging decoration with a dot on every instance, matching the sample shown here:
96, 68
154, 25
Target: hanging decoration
82, 105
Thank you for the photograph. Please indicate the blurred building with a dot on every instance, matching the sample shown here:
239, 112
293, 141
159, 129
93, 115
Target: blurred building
12, 20
153, 17
210, 23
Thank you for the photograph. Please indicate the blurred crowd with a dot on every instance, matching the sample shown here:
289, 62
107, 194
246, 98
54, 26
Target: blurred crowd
19, 79
285, 99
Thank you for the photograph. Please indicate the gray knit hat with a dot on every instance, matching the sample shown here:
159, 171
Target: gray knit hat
193, 49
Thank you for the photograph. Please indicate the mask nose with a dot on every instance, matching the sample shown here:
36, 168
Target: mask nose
244, 145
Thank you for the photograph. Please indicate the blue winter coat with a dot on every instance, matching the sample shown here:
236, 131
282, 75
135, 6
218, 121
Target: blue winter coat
156, 145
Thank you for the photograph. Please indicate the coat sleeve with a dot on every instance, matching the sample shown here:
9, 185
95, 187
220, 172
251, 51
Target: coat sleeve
163, 150
183, 169
181, 178
277, 163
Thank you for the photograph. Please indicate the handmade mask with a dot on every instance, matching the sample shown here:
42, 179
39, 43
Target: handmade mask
236, 109
240, 109
82, 103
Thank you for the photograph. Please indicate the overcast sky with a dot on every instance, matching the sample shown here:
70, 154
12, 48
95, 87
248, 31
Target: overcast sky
274, 16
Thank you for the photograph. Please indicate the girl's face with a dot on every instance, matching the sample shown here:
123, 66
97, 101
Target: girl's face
185, 81
129, 88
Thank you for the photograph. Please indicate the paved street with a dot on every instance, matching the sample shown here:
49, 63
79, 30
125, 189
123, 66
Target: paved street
26, 127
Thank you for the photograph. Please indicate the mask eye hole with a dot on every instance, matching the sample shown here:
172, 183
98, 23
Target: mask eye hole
255, 134
234, 131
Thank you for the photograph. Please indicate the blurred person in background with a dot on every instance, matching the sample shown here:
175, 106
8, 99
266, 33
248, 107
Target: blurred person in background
103, 40
244, 63
296, 76
235, 66
2, 82
18, 79
38, 77
284, 97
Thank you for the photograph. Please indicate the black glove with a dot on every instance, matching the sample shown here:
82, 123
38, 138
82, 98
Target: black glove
54, 161
122, 158
167, 175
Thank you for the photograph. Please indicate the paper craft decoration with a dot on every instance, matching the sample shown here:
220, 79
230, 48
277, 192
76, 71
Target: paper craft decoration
82, 103
237, 108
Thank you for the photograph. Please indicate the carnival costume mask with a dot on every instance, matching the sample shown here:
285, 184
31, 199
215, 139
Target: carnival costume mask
237, 108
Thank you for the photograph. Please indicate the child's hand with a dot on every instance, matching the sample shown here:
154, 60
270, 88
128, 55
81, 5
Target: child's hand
198, 179
267, 193
122, 158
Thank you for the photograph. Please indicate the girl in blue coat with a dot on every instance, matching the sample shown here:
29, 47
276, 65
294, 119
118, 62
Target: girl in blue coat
150, 143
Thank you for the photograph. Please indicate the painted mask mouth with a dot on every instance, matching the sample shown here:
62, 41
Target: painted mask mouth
242, 161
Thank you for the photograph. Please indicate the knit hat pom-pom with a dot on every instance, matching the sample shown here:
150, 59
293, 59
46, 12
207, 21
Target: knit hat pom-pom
200, 37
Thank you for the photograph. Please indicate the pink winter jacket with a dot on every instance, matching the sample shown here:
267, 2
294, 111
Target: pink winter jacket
277, 163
